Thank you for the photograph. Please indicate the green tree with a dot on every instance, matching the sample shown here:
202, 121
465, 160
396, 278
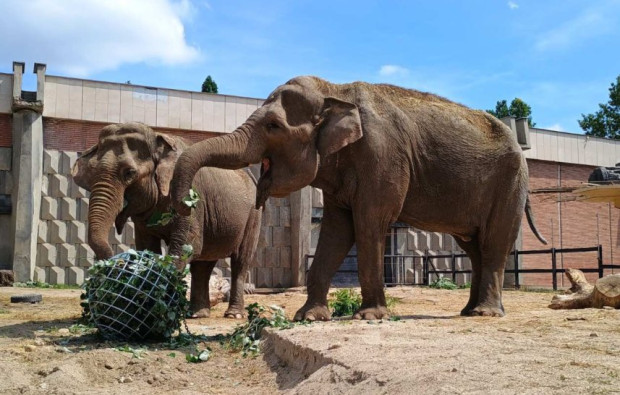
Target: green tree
209, 85
518, 109
606, 121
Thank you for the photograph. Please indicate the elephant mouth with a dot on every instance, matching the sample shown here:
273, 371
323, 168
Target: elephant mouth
265, 168
264, 183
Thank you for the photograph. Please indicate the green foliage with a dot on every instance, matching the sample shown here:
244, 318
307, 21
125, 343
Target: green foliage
136, 352
246, 337
159, 218
209, 86
345, 302
202, 356
467, 285
145, 286
443, 283
518, 109
192, 199
606, 121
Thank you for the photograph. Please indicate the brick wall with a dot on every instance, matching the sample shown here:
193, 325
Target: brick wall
567, 223
6, 131
72, 135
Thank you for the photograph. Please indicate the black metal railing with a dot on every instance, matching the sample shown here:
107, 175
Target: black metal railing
423, 266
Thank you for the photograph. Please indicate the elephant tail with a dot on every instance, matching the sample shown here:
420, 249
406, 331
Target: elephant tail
530, 221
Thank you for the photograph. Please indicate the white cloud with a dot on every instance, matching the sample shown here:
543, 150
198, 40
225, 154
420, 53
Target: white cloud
591, 23
555, 126
392, 70
82, 37
512, 5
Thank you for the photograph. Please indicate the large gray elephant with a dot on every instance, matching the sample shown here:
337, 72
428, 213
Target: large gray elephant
381, 154
128, 173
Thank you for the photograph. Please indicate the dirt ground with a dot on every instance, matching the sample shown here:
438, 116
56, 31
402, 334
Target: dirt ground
429, 350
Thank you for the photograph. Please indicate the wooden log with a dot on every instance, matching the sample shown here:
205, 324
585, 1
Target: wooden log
6, 278
606, 292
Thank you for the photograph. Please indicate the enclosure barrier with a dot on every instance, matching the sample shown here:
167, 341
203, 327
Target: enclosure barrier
395, 266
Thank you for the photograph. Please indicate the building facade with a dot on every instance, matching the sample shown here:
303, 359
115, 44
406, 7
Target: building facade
43, 213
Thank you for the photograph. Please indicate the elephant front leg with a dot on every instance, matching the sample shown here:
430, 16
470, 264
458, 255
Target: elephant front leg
370, 241
199, 303
335, 241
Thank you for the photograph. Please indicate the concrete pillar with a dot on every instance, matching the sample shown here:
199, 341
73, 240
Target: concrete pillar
301, 217
27, 178
18, 72
27, 172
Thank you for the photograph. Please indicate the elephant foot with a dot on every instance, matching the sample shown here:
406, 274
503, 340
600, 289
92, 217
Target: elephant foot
234, 313
371, 313
482, 311
313, 313
201, 313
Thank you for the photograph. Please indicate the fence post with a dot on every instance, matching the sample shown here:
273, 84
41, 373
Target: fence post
600, 260
554, 269
425, 268
516, 258
453, 263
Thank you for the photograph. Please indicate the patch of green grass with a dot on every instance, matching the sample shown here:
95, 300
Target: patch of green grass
4, 311
443, 283
38, 284
344, 302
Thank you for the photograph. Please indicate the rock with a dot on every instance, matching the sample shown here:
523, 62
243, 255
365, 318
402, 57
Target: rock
593, 334
6, 278
108, 366
39, 342
64, 331
29, 348
125, 380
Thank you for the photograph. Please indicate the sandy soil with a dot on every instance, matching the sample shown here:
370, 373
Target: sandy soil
430, 350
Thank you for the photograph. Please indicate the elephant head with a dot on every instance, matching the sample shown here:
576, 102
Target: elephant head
298, 124
127, 172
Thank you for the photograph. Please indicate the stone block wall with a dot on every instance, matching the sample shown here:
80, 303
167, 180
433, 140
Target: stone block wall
63, 253
273, 255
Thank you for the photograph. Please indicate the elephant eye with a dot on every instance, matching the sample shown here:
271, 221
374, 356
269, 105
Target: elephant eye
129, 174
272, 126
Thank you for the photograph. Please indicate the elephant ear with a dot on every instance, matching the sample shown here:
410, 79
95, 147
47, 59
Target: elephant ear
167, 153
80, 170
339, 125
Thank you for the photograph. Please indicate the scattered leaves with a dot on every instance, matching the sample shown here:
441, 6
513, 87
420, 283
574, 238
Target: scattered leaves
246, 337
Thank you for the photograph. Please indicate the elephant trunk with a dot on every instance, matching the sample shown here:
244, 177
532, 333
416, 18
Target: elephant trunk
106, 202
231, 151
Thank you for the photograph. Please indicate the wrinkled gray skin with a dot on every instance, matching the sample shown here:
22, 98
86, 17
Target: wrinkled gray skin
131, 162
381, 154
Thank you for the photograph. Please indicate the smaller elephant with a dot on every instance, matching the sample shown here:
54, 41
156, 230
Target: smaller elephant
128, 174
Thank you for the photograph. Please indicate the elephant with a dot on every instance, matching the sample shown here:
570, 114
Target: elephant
128, 174
381, 154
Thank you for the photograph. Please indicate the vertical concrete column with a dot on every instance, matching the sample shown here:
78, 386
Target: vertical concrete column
18, 71
301, 217
27, 173
39, 70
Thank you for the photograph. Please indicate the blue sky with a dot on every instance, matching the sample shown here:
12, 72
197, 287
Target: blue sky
559, 56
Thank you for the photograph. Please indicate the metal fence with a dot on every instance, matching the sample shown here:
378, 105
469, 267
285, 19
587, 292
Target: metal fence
420, 269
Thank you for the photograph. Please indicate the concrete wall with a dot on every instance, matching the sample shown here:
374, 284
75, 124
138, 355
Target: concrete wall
107, 102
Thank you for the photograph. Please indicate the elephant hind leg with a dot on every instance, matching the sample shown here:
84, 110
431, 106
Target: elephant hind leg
472, 249
199, 303
241, 262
